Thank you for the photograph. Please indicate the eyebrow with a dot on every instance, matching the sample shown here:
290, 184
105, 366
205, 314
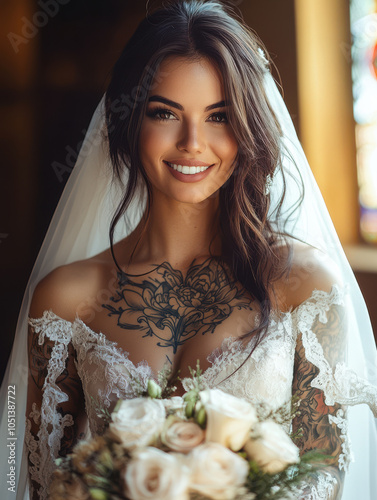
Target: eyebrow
159, 98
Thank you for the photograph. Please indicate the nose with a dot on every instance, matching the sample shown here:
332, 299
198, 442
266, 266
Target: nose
192, 139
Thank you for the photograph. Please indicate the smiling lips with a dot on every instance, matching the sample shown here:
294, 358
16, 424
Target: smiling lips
188, 167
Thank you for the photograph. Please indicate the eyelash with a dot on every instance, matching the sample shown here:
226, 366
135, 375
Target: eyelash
156, 111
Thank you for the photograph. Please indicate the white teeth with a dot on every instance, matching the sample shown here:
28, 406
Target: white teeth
186, 169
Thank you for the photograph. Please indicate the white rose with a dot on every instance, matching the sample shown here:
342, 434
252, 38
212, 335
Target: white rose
174, 404
180, 435
229, 419
137, 421
153, 474
273, 450
216, 472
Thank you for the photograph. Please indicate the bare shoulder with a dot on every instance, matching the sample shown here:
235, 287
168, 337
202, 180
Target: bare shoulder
64, 288
311, 269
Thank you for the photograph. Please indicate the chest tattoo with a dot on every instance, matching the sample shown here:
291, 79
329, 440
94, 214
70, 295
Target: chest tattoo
174, 309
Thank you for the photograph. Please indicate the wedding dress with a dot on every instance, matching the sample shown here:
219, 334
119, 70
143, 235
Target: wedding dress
79, 230
107, 374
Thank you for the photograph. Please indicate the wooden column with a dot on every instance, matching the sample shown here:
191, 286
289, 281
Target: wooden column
325, 104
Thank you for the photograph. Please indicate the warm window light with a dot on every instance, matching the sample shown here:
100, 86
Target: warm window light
364, 73
374, 60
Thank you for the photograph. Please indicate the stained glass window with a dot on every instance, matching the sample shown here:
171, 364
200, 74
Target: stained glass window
364, 75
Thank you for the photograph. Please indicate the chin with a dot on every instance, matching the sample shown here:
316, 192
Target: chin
196, 197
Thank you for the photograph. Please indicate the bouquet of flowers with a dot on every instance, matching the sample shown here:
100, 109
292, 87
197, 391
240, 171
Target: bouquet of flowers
205, 445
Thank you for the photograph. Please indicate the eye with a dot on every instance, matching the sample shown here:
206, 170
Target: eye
219, 118
157, 114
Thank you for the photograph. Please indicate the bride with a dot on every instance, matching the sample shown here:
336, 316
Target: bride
221, 249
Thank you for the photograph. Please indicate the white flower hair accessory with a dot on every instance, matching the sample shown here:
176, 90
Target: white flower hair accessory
269, 181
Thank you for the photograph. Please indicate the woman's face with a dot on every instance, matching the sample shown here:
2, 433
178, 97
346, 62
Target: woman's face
186, 144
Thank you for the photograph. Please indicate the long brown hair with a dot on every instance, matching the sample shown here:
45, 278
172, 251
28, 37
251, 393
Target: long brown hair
196, 29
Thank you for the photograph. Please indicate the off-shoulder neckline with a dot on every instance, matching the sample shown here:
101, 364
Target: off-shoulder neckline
319, 297
335, 295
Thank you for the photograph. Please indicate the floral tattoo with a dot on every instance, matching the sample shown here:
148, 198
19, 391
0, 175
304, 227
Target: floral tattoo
174, 309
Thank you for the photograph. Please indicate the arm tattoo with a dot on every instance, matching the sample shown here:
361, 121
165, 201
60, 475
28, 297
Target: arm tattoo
317, 433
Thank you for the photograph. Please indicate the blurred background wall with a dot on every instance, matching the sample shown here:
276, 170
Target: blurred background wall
55, 61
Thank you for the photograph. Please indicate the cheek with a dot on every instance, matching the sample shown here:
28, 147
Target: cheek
153, 145
154, 140
147, 143
225, 145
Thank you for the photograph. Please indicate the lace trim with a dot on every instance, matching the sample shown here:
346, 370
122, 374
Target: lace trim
346, 457
34, 455
51, 424
319, 303
342, 386
105, 367
325, 487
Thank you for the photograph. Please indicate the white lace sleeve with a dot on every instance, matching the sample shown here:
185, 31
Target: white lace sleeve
54, 413
326, 387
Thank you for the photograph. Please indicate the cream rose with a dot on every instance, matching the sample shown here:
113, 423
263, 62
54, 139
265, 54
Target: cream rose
180, 435
153, 474
229, 419
137, 422
216, 472
273, 450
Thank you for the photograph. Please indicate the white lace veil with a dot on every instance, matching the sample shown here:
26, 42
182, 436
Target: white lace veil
79, 229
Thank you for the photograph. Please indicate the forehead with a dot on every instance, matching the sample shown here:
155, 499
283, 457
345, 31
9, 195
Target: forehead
179, 78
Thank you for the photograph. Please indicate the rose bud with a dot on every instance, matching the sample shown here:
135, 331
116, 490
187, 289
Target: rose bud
189, 410
200, 417
98, 494
154, 390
